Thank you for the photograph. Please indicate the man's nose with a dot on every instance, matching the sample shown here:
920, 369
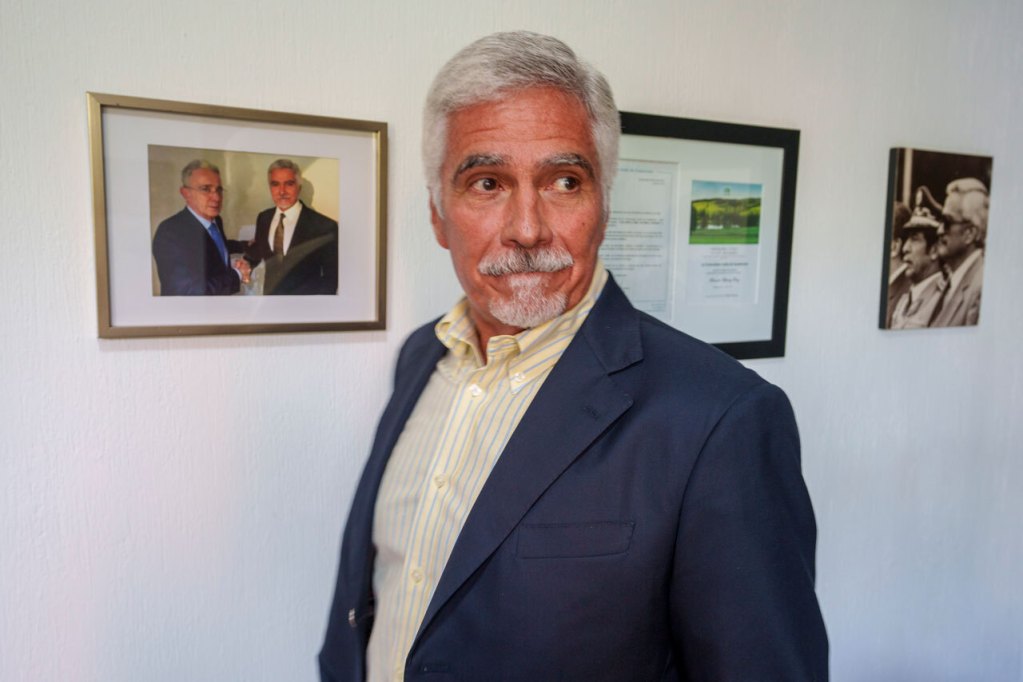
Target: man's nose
525, 224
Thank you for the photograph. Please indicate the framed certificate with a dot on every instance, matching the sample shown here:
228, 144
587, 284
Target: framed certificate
700, 232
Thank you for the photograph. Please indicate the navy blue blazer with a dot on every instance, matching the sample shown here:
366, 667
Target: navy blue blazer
647, 521
188, 262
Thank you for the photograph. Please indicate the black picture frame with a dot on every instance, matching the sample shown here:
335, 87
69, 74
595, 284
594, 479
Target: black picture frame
695, 146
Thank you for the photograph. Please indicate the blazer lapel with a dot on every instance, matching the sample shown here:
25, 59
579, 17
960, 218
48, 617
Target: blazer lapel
261, 246
576, 403
301, 227
392, 423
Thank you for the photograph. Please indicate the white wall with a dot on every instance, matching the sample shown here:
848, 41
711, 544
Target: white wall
170, 509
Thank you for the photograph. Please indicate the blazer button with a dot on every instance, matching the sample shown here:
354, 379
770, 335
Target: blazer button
351, 617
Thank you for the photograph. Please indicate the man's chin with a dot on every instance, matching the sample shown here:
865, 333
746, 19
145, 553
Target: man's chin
528, 307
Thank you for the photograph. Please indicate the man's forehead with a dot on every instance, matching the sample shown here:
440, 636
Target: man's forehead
527, 115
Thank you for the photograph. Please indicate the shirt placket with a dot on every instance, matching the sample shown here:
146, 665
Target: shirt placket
436, 511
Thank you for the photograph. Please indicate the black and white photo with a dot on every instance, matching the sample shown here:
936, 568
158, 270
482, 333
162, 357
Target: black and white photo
933, 268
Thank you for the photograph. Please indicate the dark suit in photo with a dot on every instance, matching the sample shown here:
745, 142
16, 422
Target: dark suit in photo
188, 261
310, 264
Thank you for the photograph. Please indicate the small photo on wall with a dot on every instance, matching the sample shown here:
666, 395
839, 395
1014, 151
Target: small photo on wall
936, 237
222, 220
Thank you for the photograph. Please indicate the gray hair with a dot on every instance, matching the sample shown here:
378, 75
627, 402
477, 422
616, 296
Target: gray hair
496, 65
286, 164
193, 166
967, 201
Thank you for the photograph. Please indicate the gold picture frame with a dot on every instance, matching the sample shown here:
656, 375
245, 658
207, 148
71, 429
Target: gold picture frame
138, 150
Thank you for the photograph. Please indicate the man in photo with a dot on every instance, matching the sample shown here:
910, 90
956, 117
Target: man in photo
190, 248
562, 487
298, 245
961, 249
919, 303
898, 282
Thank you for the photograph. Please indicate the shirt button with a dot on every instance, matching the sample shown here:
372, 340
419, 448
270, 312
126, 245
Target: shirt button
416, 575
440, 480
518, 377
475, 391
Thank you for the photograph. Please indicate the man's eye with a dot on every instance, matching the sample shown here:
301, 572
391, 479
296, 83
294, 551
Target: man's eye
566, 184
485, 185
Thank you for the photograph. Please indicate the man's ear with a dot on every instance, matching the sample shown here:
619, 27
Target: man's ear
970, 233
438, 225
181, 191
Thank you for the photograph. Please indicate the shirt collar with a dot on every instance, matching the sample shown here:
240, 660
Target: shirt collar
292, 212
206, 222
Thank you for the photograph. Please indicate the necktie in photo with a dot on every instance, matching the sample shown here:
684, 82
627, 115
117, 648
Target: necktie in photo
943, 288
279, 237
218, 240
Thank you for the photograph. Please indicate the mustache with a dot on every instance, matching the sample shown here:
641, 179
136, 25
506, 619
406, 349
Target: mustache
519, 260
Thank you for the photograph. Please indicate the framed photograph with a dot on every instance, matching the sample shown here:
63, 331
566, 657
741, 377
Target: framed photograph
220, 220
935, 239
700, 232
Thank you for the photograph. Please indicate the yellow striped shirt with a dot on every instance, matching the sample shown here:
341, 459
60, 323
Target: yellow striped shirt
455, 434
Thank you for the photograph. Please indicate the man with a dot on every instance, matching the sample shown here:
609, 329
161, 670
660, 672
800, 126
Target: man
961, 249
562, 487
918, 304
190, 247
898, 283
298, 244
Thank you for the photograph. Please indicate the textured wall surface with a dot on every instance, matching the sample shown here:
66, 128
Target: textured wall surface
170, 509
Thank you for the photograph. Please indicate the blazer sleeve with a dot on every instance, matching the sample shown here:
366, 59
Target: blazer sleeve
743, 605
342, 656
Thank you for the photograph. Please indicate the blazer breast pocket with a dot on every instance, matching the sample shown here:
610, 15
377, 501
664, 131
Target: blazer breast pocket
567, 540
